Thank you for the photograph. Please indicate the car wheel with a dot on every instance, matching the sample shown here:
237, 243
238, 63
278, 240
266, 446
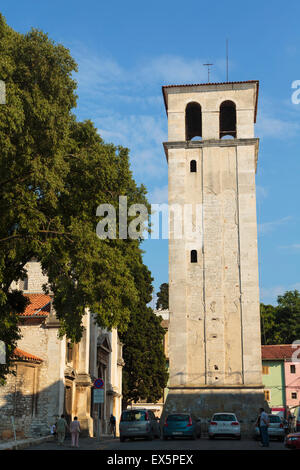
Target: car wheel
211, 437
165, 438
194, 436
238, 438
150, 437
122, 439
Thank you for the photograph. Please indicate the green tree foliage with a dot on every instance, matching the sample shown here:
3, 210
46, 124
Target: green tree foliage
34, 128
145, 373
54, 172
163, 297
281, 324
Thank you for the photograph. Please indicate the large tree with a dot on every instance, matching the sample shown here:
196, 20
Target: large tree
145, 374
54, 172
280, 324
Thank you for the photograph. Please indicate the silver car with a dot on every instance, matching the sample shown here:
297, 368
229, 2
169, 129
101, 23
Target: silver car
275, 429
138, 423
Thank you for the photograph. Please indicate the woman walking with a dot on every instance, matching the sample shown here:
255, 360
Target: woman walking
75, 430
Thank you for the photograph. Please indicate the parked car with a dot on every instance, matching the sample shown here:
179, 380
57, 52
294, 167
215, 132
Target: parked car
276, 429
224, 425
292, 441
181, 425
297, 415
138, 423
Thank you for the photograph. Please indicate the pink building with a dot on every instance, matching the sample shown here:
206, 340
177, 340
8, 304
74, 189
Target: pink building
292, 379
281, 374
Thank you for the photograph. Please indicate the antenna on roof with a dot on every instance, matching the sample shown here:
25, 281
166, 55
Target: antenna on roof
208, 70
227, 60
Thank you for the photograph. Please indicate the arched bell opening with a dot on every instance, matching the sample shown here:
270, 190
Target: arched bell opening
193, 121
228, 120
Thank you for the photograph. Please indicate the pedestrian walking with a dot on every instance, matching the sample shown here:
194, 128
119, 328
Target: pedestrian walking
53, 429
263, 426
112, 423
75, 430
61, 427
257, 424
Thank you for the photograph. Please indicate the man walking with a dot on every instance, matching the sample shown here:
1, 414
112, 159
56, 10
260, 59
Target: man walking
263, 425
61, 430
112, 422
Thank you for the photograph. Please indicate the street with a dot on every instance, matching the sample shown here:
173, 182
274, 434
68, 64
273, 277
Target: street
179, 444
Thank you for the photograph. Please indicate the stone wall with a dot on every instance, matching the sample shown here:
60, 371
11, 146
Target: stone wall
203, 403
35, 395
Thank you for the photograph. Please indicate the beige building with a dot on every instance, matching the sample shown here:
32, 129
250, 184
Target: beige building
214, 333
53, 376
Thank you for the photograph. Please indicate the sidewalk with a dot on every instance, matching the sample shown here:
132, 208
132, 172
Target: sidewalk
50, 443
23, 443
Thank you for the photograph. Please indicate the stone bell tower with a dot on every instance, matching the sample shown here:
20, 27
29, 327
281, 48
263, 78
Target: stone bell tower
214, 334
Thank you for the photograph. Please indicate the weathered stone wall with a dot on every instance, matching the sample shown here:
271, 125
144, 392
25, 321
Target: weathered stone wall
35, 395
18, 398
203, 403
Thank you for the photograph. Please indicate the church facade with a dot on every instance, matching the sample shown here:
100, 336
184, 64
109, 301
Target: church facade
52, 376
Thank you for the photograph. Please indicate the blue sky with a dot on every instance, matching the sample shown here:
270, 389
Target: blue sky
127, 50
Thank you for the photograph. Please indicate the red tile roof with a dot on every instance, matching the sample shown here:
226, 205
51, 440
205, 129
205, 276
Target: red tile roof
39, 306
25, 356
277, 351
213, 84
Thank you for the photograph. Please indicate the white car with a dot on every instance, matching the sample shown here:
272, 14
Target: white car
224, 425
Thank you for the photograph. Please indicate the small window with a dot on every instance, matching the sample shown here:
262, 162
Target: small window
194, 256
294, 395
293, 369
265, 370
267, 395
193, 166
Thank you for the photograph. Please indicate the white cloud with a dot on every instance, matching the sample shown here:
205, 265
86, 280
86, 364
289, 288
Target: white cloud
132, 130
270, 294
261, 192
293, 246
273, 127
267, 227
159, 195
175, 70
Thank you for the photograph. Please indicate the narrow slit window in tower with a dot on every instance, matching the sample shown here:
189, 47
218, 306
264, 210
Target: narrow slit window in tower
193, 166
227, 120
194, 256
193, 121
